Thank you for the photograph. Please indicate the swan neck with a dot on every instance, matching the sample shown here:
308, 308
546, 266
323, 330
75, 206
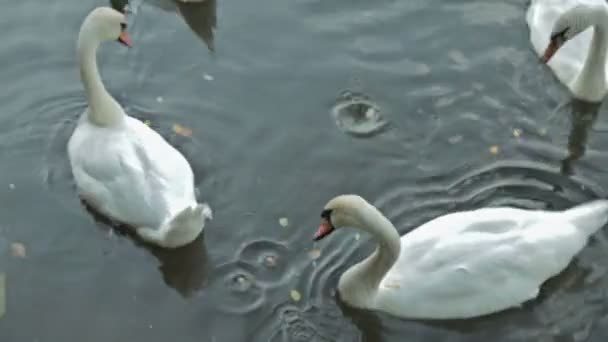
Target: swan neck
593, 75
360, 283
103, 109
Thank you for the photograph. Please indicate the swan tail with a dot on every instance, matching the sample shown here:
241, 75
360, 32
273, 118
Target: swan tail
182, 229
589, 217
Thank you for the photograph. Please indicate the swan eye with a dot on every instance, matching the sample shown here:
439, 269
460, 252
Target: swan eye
560, 35
123, 26
326, 214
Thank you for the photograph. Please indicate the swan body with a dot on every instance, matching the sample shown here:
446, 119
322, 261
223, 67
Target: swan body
463, 264
579, 30
121, 167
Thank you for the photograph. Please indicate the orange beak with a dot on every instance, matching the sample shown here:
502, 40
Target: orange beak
125, 39
550, 51
325, 228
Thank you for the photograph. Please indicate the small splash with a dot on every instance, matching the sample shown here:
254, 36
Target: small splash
355, 114
240, 282
269, 258
237, 285
313, 323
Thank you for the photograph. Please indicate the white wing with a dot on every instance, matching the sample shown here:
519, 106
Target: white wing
131, 174
488, 260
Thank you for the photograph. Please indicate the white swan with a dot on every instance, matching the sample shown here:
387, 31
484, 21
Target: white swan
562, 25
122, 168
460, 265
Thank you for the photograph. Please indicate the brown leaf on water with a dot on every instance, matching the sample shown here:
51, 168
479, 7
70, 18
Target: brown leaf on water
181, 130
2, 294
18, 250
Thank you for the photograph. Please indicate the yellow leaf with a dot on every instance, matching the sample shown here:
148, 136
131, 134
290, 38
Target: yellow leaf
517, 132
284, 222
18, 250
494, 149
181, 130
314, 254
147, 122
2, 294
295, 295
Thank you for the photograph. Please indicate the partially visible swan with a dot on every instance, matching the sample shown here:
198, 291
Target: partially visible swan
460, 265
199, 15
122, 168
579, 30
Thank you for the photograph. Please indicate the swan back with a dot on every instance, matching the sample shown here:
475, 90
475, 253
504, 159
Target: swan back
589, 217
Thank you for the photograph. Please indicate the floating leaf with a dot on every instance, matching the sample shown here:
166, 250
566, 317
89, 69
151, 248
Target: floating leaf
494, 149
284, 222
11, 186
181, 130
2, 294
159, 99
295, 295
357, 236
208, 77
18, 250
517, 132
147, 122
314, 254
542, 131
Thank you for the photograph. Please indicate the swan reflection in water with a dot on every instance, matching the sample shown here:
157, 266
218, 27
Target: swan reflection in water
186, 268
199, 15
584, 116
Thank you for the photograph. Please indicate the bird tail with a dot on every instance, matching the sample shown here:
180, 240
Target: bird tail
182, 229
589, 217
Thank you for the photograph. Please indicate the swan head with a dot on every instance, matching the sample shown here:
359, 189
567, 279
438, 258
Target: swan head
571, 23
341, 211
105, 24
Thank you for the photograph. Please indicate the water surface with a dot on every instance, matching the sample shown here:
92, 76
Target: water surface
449, 110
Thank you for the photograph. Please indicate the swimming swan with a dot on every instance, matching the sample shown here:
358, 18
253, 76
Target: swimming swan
123, 168
459, 265
578, 29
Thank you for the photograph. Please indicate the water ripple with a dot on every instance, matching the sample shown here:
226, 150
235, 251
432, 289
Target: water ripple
356, 114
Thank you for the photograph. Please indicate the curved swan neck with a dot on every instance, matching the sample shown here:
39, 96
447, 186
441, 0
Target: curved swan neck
360, 282
103, 109
592, 78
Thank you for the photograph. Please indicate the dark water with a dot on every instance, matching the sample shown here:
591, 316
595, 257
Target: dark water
423, 107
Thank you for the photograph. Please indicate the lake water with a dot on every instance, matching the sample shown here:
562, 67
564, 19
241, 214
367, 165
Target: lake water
423, 107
